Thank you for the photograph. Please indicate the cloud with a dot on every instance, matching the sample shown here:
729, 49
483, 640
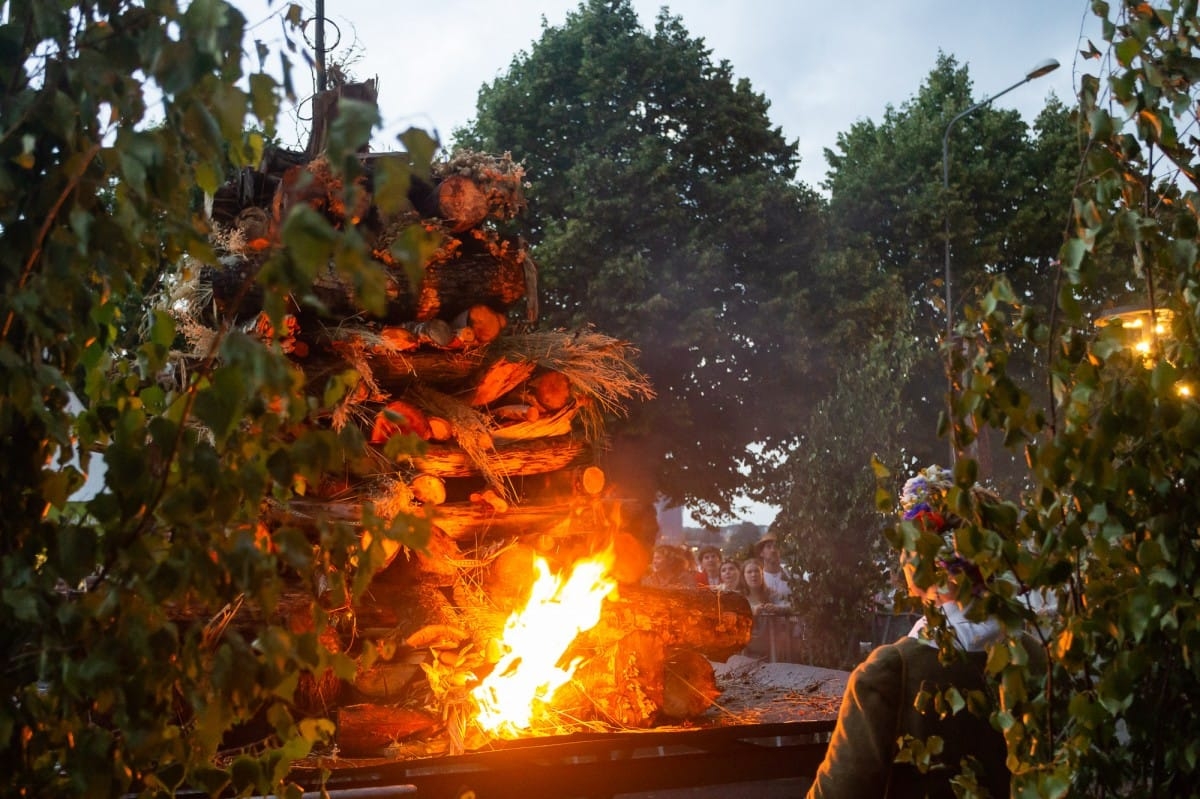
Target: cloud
822, 65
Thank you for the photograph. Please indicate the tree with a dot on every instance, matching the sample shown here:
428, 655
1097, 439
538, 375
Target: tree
885, 184
115, 119
1108, 527
833, 545
664, 211
1006, 204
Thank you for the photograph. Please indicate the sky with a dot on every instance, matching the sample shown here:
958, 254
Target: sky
823, 66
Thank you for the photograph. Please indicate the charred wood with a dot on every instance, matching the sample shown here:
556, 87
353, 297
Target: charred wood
366, 730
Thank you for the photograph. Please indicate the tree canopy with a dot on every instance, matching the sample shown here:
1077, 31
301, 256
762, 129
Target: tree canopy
1005, 207
663, 210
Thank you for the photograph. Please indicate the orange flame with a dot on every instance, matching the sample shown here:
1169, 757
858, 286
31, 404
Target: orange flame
535, 640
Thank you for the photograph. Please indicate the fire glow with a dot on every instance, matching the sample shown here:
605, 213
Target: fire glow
535, 640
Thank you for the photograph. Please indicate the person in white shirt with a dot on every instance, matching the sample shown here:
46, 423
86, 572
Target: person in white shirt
775, 576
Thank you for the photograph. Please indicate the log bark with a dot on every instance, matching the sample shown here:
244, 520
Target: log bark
365, 730
536, 456
385, 681
401, 605
715, 624
447, 289
394, 372
467, 521
472, 522
689, 685
461, 202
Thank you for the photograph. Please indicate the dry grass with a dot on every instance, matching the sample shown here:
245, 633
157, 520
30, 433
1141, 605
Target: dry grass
471, 430
600, 368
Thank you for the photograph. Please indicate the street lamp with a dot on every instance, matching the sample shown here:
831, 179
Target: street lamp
1038, 70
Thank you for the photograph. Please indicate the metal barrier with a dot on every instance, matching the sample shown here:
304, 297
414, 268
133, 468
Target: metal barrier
606, 764
777, 637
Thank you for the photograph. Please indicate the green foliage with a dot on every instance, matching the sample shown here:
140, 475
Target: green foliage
690, 240
1109, 524
832, 540
114, 116
1006, 209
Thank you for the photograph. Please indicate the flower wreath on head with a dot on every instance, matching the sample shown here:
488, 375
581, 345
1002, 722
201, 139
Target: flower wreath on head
922, 492
923, 501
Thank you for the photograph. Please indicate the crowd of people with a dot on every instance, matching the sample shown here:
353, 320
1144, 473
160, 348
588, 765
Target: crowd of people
761, 578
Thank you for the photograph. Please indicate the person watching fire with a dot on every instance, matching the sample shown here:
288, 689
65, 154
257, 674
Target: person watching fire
762, 598
731, 577
775, 575
669, 568
881, 709
710, 565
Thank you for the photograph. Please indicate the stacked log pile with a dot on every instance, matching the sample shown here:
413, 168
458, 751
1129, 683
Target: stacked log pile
480, 426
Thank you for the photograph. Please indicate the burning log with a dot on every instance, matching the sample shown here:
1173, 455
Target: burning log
370, 729
639, 682
506, 471
689, 685
714, 623
621, 684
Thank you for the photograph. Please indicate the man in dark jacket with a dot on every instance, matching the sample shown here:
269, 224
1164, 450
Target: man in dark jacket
898, 734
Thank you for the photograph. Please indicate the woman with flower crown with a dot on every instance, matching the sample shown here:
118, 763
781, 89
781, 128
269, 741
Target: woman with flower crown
882, 709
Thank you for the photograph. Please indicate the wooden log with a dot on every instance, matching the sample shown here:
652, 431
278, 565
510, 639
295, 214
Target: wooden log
500, 377
461, 202
392, 370
485, 322
472, 520
325, 110
620, 684
448, 370
449, 288
446, 290
638, 682
715, 624
365, 730
385, 681
522, 457
399, 604
689, 685
551, 389
399, 418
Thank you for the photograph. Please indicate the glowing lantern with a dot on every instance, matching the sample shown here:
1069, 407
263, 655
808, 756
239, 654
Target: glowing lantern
1142, 328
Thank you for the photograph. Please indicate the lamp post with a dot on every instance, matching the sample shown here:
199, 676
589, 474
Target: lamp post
1038, 70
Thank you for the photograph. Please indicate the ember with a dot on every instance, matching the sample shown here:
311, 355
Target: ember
535, 640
